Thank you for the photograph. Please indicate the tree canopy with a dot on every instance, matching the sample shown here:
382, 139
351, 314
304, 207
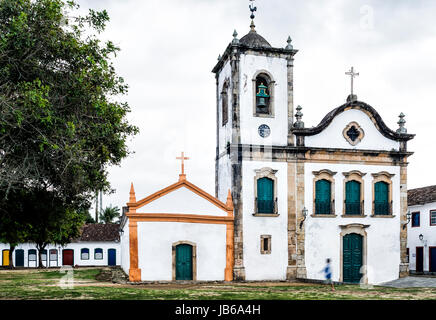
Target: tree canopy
62, 123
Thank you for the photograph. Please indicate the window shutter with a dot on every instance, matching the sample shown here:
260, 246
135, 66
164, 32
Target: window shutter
322, 197
352, 196
265, 195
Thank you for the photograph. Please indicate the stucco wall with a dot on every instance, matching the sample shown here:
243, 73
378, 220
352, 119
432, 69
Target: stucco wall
224, 177
332, 136
323, 239
182, 200
125, 248
225, 132
155, 240
264, 266
277, 67
428, 232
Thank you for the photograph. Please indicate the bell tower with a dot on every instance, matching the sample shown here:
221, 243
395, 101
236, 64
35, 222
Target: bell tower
255, 106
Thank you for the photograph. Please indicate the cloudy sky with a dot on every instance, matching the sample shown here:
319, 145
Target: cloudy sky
169, 47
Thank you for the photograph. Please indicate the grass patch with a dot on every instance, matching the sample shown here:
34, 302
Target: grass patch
44, 284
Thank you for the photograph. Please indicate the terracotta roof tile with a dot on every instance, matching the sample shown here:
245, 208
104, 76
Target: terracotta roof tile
99, 232
421, 195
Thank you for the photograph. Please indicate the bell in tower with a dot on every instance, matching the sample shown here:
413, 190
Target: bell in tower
262, 99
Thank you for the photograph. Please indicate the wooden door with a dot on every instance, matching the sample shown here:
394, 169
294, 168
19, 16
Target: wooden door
419, 259
432, 258
67, 257
184, 262
19, 258
5, 257
112, 257
352, 258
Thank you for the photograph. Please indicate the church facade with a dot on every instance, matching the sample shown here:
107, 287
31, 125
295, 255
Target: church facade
302, 195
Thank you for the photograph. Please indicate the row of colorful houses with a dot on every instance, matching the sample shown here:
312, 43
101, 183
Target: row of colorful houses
98, 245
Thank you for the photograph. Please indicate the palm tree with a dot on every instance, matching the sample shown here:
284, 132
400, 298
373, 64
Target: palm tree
109, 214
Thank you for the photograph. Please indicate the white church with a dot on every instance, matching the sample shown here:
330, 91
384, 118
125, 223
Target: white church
287, 196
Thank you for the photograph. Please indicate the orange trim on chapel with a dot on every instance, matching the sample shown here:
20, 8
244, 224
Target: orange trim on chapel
134, 218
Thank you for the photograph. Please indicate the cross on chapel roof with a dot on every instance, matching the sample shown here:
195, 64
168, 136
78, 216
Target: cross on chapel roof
182, 158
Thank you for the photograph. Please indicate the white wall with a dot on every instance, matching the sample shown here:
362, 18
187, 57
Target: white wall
249, 65
224, 177
264, 266
225, 132
322, 239
125, 248
182, 200
155, 240
332, 136
428, 232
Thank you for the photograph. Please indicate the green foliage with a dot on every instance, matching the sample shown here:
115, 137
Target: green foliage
109, 214
61, 122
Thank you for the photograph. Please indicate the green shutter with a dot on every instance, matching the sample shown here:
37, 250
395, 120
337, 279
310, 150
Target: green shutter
265, 195
381, 198
352, 197
322, 197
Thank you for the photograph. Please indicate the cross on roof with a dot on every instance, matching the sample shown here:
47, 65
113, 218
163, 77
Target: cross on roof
183, 158
352, 74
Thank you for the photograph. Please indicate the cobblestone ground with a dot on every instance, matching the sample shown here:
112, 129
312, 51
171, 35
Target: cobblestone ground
412, 282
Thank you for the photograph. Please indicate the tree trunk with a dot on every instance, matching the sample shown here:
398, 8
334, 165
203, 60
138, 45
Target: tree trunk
11, 250
40, 247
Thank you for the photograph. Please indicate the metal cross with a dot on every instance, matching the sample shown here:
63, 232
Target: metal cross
352, 74
183, 158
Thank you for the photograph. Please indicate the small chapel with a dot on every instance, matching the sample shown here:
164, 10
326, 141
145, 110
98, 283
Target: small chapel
287, 197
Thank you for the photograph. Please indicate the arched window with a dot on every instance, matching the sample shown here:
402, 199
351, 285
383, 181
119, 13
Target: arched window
224, 103
263, 94
323, 197
352, 198
381, 198
98, 254
265, 195
84, 254
53, 255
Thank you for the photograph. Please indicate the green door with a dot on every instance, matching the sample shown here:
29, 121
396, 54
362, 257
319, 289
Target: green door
265, 195
381, 198
322, 197
352, 258
184, 262
352, 198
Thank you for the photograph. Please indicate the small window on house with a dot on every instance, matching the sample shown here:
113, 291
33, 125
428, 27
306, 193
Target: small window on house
415, 219
381, 199
263, 95
407, 255
265, 244
98, 254
84, 254
32, 255
433, 218
44, 255
323, 197
53, 255
224, 104
352, 198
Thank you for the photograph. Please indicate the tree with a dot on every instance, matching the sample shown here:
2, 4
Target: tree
61, 122
109, 214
